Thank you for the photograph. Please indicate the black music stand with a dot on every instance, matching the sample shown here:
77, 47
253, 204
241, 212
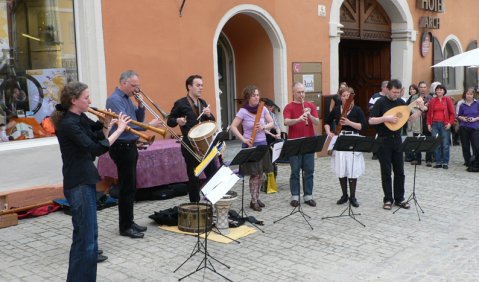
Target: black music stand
418, 144
249, 155
354, 143
301, 146
202, 247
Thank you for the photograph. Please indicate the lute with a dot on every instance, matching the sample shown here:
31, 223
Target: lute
402, 113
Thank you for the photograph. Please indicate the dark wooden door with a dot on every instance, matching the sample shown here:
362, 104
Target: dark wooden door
364, 65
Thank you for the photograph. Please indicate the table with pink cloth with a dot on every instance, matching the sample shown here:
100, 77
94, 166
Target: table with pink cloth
162, 163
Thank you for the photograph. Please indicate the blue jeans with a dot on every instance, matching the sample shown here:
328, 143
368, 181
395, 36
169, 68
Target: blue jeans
305, 162
84, 248
442, 151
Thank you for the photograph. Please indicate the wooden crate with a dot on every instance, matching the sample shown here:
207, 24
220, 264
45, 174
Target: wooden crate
7, 220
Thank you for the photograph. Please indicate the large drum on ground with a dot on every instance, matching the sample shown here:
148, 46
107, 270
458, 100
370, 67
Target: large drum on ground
201, 136
222, 207
195, 218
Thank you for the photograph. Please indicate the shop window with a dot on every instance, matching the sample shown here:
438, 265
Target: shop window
37, 59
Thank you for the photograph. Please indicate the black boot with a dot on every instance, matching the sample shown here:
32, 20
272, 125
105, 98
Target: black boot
352, 189
344, 188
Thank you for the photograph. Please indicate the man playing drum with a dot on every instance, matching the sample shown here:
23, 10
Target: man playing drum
188, 112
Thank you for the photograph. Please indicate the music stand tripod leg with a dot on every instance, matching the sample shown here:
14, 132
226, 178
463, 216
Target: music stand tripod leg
299, 210
351, 213
412, 197
204, 261
198, 244
217, 231
243, 212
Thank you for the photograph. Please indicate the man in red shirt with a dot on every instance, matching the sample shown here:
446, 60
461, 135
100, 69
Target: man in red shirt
300, 116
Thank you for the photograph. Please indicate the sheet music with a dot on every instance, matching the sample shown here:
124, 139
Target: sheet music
333, 141
277, 147
219, 184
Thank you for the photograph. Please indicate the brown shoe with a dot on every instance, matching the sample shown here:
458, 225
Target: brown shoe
255, 207
294, 203
311, 202
261, 204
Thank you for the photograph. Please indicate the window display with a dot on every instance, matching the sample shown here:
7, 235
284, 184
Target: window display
37, 58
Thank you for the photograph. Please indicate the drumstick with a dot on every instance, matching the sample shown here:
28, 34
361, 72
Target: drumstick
202, 113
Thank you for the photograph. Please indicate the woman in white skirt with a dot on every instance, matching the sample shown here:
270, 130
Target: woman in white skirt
348, 166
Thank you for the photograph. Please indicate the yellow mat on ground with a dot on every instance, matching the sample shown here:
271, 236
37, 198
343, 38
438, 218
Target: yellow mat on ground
235, 233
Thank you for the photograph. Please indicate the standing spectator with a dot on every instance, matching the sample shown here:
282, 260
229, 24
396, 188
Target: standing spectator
125, 153
246, 118
274, 133
378, 95
426, 96
300, 116
414, 127
81, 140
468, 117
440, 118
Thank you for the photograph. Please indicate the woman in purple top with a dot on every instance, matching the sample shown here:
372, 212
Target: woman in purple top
246, 118
468, 117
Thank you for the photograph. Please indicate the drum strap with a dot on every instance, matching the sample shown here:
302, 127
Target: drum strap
196, 109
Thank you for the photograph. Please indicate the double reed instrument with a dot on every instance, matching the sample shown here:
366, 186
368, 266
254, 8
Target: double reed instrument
148, 138
302, 105
139, 97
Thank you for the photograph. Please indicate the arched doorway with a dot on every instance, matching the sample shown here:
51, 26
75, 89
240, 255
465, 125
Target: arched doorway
226, 80
265, 65
365, 48
402, 37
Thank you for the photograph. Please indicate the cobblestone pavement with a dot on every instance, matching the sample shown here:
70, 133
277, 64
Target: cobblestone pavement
442, 246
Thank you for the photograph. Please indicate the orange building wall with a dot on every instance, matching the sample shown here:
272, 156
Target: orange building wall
150, 37
460, 19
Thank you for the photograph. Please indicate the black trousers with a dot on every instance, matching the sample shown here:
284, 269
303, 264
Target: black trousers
391, 159
125, 156
194, 185
470, 141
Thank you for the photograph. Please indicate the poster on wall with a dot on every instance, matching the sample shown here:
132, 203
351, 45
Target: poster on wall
310, 74
308, 82
52, 82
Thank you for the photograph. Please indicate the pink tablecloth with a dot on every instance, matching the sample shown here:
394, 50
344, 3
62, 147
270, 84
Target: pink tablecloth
162, 163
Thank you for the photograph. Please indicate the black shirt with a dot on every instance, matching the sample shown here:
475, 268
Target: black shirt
182, 108
381, 106
81, 141
355, 115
